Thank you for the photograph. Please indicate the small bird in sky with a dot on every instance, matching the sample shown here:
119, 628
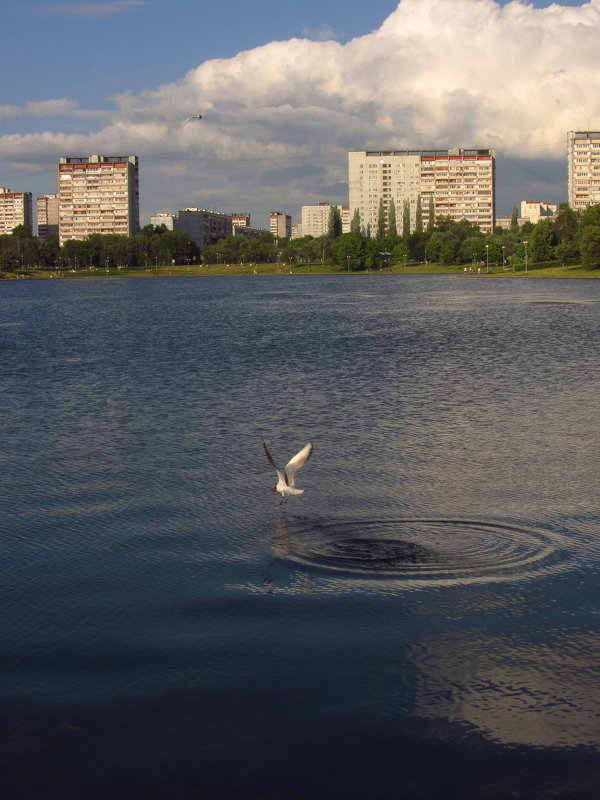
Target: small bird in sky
285, 477
194, 116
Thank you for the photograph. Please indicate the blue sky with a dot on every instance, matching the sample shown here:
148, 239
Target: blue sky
288, 88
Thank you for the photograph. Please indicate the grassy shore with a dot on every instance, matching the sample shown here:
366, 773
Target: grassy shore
304, 269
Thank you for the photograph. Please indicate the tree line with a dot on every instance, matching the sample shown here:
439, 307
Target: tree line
568, 238
151, 247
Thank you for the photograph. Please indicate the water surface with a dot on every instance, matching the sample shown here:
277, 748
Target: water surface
421, 623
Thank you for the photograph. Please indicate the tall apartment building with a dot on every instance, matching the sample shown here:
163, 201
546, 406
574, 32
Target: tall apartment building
15, 210
98, 194
461, 184
202, 226
315, 219
584, 168
47, 217
280, 225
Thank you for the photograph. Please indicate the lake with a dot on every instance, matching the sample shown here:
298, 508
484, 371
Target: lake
422, 623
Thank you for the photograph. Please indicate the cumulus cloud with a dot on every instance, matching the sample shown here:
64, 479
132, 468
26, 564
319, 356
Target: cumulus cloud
279, 119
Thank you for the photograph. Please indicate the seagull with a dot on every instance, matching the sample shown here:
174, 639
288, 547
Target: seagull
194, 116
285, 478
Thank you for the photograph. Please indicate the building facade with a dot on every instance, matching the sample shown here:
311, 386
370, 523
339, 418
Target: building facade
456, 183
98, 194
241, 220
15, 210
315, 219
533, 211
202, 226
47, 217
168, 220
280, 225
584, 168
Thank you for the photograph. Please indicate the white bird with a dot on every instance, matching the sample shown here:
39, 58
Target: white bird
194, 116
285, 477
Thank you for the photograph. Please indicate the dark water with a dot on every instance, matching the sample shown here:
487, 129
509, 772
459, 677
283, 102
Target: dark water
422, 623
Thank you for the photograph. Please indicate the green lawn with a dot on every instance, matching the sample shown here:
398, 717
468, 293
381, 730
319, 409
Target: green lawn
305, 269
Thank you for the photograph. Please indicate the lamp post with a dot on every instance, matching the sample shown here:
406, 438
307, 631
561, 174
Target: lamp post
487, 258
525, 242
503, 262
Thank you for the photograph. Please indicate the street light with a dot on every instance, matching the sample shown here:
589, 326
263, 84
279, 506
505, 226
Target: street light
487, 258
503, 258
525, 242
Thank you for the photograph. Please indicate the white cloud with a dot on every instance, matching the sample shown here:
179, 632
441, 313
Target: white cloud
280, 118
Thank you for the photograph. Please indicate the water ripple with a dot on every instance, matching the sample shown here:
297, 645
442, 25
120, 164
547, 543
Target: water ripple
420, 550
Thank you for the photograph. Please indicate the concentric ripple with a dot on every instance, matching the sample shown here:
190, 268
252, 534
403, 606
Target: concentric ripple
420, 549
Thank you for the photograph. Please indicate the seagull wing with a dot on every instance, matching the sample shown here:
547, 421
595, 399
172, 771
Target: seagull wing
280, 474
299, 460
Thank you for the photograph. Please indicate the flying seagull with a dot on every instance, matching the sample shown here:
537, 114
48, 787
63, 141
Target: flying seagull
194, 116
285, 478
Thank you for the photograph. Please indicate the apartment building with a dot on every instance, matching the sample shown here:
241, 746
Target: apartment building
202, 226
98, 194
163, 218
315, 219
15, 210
47, 217
584, 168
241, 220
533, 211
280, 225
457, 183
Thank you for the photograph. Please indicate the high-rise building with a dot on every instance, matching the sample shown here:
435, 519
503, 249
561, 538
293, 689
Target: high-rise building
47, 217
315, 219
280, 225
584, 168
202, 226
98, 194
15, 210
455, 183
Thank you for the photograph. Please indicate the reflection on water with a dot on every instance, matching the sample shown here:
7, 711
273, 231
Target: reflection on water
544, 694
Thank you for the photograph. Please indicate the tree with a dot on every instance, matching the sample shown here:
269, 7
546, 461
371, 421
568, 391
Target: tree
589, 246
406, 219
334, 225
514, 219
541, 241
431, 217
392, 224
419, 216
349, 251
565, 223
381, 220
355, 224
